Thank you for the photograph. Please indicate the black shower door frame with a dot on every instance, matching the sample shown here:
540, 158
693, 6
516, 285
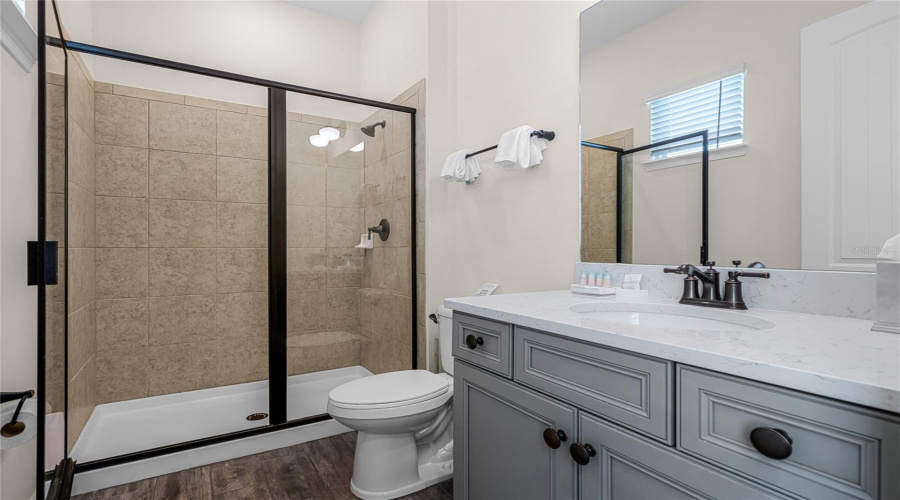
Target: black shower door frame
277, 238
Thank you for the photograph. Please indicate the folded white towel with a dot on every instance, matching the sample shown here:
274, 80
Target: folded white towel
458, 168
517, 148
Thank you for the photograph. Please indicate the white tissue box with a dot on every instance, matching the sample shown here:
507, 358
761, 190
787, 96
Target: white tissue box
887, 297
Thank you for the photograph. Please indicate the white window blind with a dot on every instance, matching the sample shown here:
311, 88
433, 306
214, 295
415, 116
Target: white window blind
716, 106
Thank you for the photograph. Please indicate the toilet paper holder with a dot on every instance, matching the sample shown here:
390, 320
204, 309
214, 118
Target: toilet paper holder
15, 426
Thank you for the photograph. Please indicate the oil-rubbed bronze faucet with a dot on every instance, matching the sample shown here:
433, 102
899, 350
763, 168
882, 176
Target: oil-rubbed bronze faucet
710, 297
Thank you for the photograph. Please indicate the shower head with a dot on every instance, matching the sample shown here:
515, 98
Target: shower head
369, 130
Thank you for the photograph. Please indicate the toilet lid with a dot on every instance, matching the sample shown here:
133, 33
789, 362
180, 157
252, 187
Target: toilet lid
390, 389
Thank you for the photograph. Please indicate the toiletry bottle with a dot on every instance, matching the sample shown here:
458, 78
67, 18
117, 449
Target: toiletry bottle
583, 280
607, 279
592, 279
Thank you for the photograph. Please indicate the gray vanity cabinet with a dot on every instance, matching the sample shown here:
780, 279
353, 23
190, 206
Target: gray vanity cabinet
499, 448
626, 467
500, 452
637, 427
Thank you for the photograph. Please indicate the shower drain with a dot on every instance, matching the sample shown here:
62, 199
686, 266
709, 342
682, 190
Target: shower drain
257, 416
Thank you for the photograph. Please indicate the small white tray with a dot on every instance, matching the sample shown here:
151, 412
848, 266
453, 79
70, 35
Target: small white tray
593, 290
599, 291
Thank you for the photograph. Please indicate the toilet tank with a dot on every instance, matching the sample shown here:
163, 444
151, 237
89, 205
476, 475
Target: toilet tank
445, 332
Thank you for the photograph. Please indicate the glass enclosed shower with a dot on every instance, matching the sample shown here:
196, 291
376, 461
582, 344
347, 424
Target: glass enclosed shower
209, 281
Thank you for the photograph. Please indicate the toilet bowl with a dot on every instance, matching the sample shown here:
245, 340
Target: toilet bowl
404, 424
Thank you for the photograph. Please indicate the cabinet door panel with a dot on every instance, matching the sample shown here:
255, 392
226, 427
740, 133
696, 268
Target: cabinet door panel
628, 467
500, 452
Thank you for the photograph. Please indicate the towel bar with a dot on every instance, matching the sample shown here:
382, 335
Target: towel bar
543, 134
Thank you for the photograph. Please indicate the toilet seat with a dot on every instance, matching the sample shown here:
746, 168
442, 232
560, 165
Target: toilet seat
390, 395
389, 390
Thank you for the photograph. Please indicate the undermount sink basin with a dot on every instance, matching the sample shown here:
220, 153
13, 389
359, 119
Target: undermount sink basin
676, 317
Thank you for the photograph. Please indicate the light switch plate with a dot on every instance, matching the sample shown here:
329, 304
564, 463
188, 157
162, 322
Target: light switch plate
486, 289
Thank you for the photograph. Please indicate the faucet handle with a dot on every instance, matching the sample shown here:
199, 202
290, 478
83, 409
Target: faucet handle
736, 263
748, 274
682, 269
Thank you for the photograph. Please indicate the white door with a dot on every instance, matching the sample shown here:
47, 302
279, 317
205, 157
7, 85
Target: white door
850, 136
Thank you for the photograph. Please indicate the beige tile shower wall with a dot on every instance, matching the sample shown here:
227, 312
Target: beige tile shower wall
82, 242
598, 199
325, 219
181, 232
386, 294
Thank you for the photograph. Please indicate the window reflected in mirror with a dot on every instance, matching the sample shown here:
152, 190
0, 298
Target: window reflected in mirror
800, 102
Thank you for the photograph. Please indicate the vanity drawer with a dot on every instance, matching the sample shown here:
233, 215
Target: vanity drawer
490, 341
631, 389
837, 450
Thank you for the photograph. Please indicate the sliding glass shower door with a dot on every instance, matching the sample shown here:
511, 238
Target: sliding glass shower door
52, 230
168, 238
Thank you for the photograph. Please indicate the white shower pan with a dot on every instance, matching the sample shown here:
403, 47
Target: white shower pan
125, 427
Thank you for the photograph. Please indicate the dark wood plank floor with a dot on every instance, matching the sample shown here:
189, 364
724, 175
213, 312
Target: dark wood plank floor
314, 470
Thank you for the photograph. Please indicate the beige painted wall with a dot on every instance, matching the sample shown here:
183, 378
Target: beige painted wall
266, 39
393, 52
493, 66
18, 213
616, 78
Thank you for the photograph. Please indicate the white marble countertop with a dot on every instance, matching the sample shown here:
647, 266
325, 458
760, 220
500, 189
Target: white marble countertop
840, 358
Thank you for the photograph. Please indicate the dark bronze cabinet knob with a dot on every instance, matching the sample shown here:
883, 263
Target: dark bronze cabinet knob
582, 454
472, 341
773, 443
554, 438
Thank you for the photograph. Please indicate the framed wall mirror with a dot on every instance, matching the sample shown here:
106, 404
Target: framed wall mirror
801, 104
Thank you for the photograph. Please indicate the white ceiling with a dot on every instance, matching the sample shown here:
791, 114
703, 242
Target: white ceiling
611, 19
351, 10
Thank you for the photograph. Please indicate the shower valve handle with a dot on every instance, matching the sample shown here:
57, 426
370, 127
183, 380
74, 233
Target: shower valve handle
383, 229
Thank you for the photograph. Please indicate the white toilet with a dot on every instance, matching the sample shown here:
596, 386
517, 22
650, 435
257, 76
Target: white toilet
405, 425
